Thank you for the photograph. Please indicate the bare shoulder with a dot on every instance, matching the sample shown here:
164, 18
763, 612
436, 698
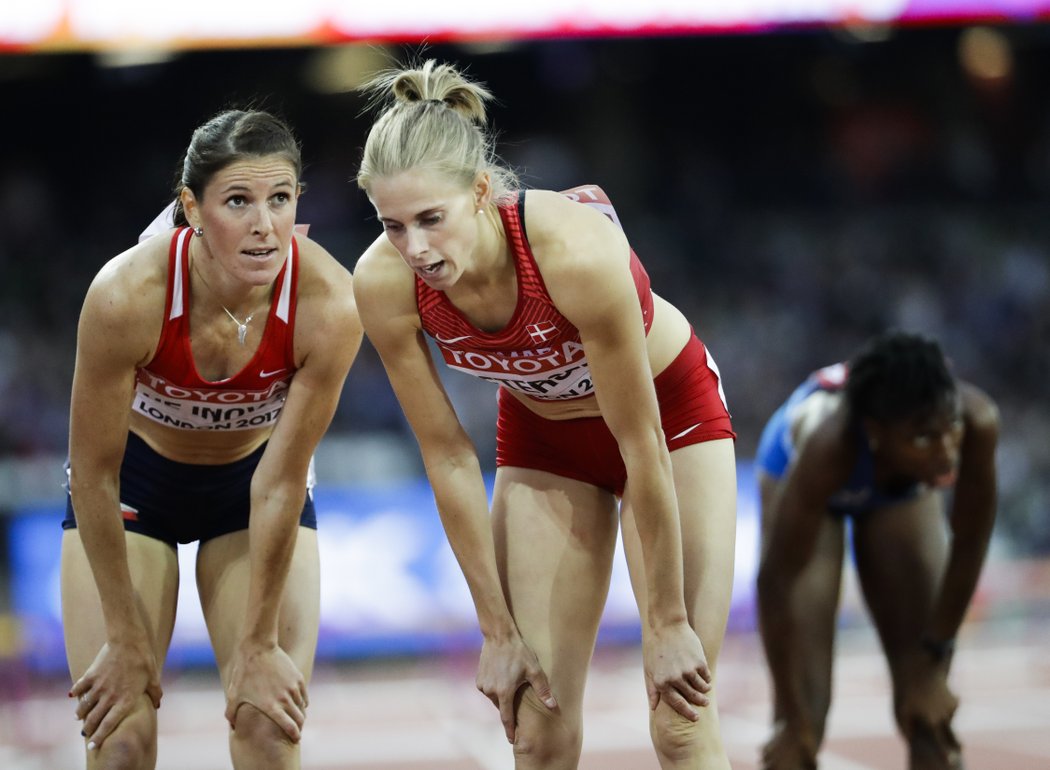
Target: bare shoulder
380, 262
980, 412
826, 453
383, 284
141, 271
320, 272
555, 221
819, 421
574, 244
126, 299
326, 309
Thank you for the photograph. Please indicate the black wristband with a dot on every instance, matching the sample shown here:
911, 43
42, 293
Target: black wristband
938, 649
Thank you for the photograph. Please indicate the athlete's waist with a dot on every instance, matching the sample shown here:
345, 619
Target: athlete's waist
561, 409
196, 447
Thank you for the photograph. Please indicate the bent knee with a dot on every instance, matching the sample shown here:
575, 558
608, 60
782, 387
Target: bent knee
257, 728
546, 737
682, 740
133, 744
128, 751
673, 735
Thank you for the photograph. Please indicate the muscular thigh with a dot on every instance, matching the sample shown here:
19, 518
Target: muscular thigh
705, 485
555, 539
223, 575
901, 553
155, 576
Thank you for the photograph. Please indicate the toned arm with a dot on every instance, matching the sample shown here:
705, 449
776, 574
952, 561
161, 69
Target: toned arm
385, 292
584, 259
328, 336
972, 515
820, 467
119, 325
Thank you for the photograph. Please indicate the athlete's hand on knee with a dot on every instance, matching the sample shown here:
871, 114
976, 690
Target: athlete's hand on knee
925, 700
676, 669
925, 709
111, 688
266, 678
505, 667
792, 747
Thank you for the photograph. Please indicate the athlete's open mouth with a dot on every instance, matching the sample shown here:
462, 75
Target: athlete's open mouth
945, 479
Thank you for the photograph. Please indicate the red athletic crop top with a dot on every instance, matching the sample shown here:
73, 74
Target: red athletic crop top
170, 390
538, 352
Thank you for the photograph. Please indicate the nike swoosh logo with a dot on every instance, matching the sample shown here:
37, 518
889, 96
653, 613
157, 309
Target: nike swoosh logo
454, 339
271, 374
686, 431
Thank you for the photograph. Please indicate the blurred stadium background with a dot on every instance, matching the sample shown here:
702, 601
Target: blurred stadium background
795, 177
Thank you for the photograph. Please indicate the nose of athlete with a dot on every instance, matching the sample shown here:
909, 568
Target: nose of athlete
416, 243
943, 459
946, 451
263, 222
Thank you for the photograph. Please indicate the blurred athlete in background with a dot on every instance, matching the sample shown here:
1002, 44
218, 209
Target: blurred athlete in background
877, 441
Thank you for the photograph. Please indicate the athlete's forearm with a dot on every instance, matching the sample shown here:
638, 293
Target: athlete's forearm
660, 536
969, 548
779, 636
272, 531
972, 516
462, 504
101, 531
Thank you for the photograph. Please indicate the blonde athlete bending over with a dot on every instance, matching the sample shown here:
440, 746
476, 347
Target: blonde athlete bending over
610, 412
229, 338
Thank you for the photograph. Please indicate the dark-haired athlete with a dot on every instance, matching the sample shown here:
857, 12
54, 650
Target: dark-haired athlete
210, 359
877, 440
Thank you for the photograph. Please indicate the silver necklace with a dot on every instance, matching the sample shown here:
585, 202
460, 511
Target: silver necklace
242, 327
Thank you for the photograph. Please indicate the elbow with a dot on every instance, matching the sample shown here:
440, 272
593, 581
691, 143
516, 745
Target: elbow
647, 449
282, 492
81, 484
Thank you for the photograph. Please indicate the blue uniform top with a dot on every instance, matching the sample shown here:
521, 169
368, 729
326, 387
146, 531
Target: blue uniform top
776, 450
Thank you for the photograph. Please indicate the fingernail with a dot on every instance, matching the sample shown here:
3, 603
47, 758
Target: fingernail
91, 745
83, 734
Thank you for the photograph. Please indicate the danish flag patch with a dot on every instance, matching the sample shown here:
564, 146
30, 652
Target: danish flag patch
542, 331
129, 513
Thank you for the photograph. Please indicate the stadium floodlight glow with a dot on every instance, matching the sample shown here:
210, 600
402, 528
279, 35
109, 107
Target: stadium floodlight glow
109, 24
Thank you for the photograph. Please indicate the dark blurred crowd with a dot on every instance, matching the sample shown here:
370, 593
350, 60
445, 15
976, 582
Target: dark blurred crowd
792, 193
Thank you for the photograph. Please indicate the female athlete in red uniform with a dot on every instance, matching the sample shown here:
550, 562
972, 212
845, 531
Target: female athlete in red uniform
230, 339
610, 412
